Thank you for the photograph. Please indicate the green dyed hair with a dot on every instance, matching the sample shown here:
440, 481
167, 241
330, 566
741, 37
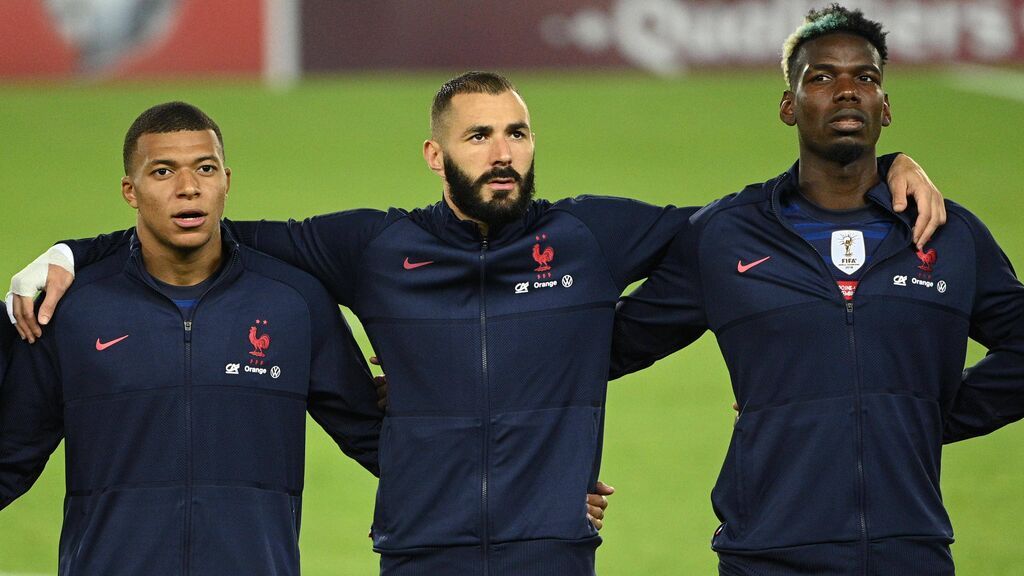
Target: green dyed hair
831, 20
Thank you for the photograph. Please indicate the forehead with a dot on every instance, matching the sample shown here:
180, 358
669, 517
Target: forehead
840, 49
177, 145
487, 110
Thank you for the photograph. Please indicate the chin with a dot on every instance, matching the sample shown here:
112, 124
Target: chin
845, 152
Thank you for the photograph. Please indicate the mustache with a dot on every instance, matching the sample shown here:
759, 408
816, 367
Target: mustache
500, 172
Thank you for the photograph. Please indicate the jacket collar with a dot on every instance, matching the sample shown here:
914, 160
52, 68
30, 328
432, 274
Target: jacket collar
788, 183
229, 270
442, 221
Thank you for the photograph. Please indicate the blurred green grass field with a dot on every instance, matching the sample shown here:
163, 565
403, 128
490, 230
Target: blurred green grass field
334, 144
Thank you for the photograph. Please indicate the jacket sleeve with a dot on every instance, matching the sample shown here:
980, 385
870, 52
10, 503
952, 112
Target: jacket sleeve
91, 250
633, 235
7, 337
665, 314
991, 393
329, 247
31, 416
342, 397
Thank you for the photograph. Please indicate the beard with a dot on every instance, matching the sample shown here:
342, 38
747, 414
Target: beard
843, 153
502, 208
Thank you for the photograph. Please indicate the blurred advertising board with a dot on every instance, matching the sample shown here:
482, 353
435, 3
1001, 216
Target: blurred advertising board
130, 38
279, 39
660, 36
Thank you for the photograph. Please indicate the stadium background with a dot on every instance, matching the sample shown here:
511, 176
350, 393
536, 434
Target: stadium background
324, 106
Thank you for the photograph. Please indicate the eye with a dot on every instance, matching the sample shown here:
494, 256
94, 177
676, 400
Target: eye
207, 169
161, 172
518, 134
868, 78
478, 137
820, 78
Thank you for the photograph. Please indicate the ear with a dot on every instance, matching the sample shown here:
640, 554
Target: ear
227, 173
128, 192
786, 112
434, 157
886, 112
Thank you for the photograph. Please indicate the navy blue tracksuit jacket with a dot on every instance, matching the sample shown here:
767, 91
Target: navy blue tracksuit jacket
7, 337
833, 467
496, 351
184, 440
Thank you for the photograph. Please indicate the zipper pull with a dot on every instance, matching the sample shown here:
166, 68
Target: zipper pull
188, 330
849, 312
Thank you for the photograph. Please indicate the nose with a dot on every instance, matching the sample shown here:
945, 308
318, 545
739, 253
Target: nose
846, 90
188, 185
501, 152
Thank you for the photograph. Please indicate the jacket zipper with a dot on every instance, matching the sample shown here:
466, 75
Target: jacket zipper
188, 436
848, 309
187, 325
859, 406
486, 407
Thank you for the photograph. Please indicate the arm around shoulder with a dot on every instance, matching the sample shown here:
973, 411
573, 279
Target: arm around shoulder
666, 313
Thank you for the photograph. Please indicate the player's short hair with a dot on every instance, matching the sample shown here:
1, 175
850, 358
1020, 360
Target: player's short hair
831, 20
165, 118
468, 83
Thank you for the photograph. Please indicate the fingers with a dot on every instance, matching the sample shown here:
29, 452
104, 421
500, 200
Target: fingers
374, 360
735, 406
603, 489
25, 318
597, 503
381, 383
898, 186
931, 216
58, 280
936, 219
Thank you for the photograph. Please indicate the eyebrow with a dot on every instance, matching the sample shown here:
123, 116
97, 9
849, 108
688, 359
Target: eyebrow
833, 67
199, 160
479, 129
488, 130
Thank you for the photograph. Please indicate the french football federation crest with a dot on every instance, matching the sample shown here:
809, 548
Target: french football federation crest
848, 251
928, 259
260, 342
543, 257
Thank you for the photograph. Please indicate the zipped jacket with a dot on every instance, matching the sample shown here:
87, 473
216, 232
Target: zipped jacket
833, 467
8, 335
184, 440
496, 351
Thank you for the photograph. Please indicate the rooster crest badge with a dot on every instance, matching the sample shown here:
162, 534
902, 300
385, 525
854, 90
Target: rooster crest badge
542, 257
259, 342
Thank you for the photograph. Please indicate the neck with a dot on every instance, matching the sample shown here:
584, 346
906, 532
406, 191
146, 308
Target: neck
482, 226
836, 186
178, 267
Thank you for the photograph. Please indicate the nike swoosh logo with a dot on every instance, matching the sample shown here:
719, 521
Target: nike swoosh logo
741, 267
414, 265
104, 345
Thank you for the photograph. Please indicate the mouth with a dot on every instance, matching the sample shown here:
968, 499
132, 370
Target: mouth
848, 121
507, 184
189, 218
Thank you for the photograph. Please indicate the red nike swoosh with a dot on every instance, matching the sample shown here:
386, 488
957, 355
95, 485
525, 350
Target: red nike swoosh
413, 265
105, 345
741, 267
